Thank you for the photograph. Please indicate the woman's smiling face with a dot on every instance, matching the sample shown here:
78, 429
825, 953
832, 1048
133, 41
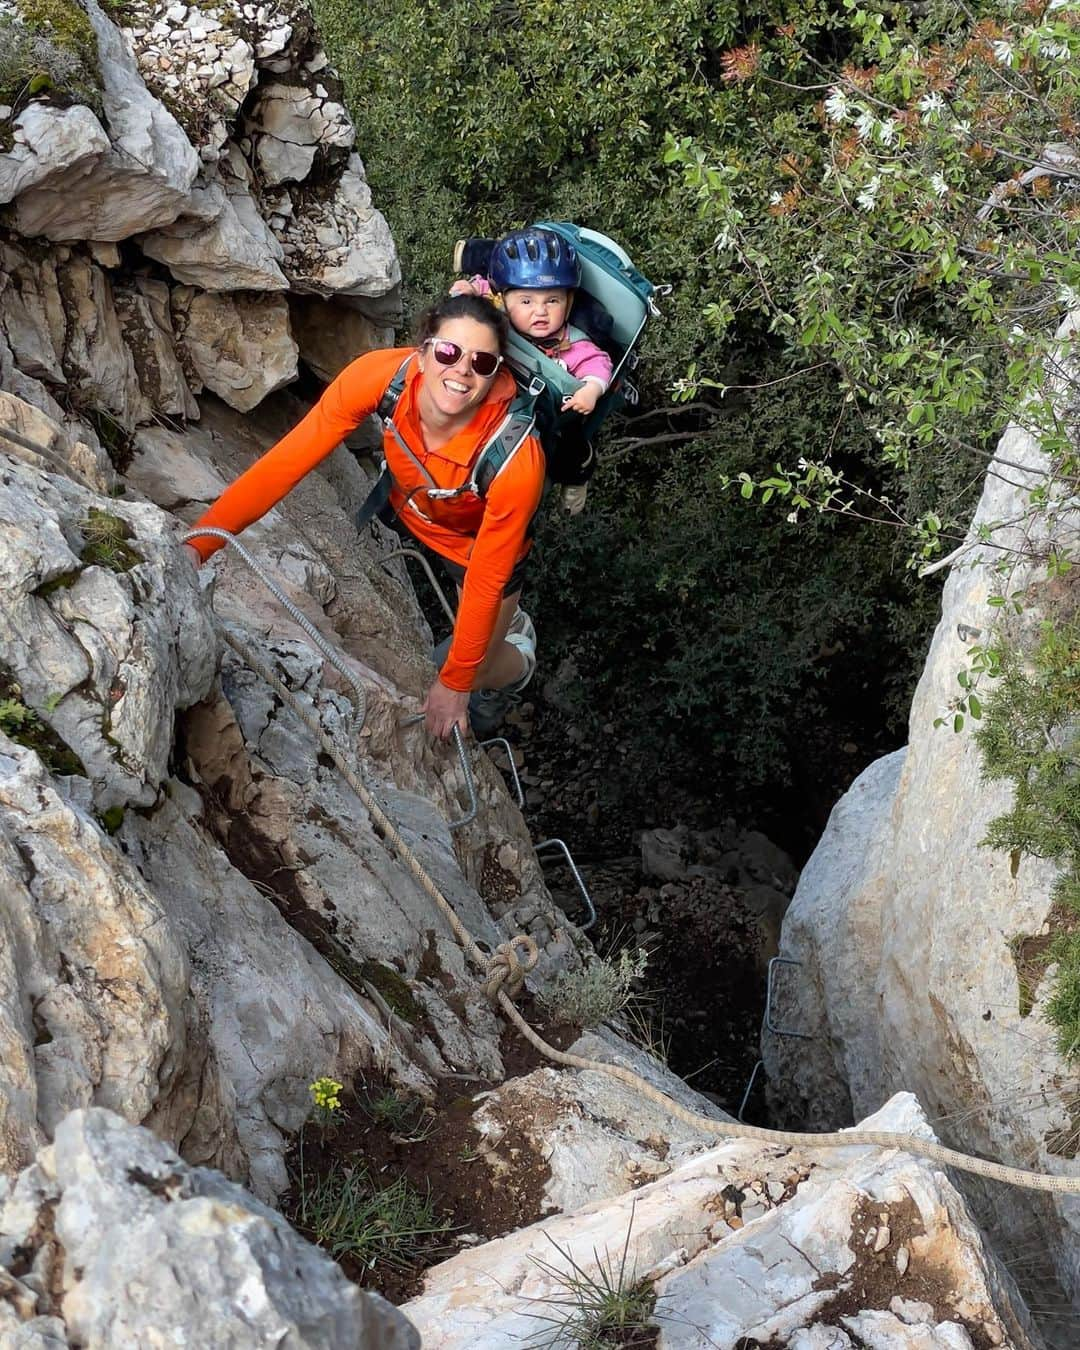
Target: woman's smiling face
450, 393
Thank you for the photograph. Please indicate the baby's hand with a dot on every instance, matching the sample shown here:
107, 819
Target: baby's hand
583, 400
463, 287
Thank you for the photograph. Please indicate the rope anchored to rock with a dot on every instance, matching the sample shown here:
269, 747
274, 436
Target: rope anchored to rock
504, 971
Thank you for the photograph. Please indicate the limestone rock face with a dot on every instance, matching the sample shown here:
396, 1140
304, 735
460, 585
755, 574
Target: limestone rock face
792, 1247
138, 180
238, 346
289, 124
146, 323
336, 244
109, 1212
196, 57
99, 628
906, 925
330, 334
98, 362
93, 981
33, 437
51, 144
597, 1137
223, 244
272, 200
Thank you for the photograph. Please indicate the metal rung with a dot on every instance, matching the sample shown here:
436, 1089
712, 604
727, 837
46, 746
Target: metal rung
415, 554
749, 1088
501, 740
558, 843
769, 1024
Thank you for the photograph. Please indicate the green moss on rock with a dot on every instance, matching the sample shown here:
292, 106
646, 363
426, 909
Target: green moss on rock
106, 542
393, 989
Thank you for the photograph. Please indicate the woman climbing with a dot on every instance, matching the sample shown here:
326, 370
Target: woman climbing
452, 398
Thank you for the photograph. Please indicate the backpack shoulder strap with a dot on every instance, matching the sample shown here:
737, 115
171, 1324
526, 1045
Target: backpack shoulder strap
392, 393
378, 498
508, 438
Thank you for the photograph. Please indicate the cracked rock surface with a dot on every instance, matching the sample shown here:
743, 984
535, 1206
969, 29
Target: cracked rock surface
108, 1212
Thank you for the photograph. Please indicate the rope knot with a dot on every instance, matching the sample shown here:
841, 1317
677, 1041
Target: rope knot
506, 970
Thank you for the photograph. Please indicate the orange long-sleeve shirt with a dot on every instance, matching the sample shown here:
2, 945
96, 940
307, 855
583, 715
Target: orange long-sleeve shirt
488, 547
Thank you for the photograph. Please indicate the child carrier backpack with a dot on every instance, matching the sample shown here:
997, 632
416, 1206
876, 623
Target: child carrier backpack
612, 306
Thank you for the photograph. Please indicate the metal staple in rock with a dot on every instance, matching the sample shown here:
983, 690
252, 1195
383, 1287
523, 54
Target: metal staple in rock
497, 969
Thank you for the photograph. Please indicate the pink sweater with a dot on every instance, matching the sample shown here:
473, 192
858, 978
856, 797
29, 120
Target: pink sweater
577, 353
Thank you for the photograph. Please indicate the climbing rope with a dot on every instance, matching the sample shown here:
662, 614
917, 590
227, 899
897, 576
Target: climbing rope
504, 971
331, 655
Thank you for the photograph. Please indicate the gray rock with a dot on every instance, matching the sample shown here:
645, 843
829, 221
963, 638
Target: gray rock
51, 144
226, 246
96, 358
105, 656
239, 346
146, 325
330, 334
906, 924
138, 181
364, 262
770, 1275
130, 1216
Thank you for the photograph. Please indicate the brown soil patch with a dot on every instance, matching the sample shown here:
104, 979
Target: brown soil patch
481, 1188
873, 1281
1031, 953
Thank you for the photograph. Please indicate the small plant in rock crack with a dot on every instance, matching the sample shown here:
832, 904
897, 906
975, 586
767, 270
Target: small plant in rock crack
349, 1213
597, 991
106, 544
646, 1026
598, 1308
399, 1113
326, 1098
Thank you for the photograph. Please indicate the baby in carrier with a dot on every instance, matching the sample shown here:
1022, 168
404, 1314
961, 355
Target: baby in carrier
535, 273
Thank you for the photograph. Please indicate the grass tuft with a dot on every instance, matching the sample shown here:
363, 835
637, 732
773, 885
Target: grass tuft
597, 1309
351, 1215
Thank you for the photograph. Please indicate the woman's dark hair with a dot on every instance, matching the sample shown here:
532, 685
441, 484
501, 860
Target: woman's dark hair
476, 307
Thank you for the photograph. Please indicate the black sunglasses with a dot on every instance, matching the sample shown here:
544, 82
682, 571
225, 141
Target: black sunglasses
484, 364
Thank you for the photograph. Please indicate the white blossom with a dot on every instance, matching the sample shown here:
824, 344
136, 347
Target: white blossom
932, 105
1054, 51
793, 517
1016, 334
939, 185
775, 198
1003, 52
886, 131
867, 198
837, 108
865, 123
1069, 296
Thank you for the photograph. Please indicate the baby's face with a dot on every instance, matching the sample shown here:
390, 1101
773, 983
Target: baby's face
538, 313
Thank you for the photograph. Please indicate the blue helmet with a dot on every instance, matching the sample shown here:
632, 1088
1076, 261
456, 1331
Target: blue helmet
533, 259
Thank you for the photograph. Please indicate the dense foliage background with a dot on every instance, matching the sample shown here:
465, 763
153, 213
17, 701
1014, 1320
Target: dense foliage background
811, 179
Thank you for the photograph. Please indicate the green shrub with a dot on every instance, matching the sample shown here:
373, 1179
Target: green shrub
49, 51
596, 992
1030, 736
